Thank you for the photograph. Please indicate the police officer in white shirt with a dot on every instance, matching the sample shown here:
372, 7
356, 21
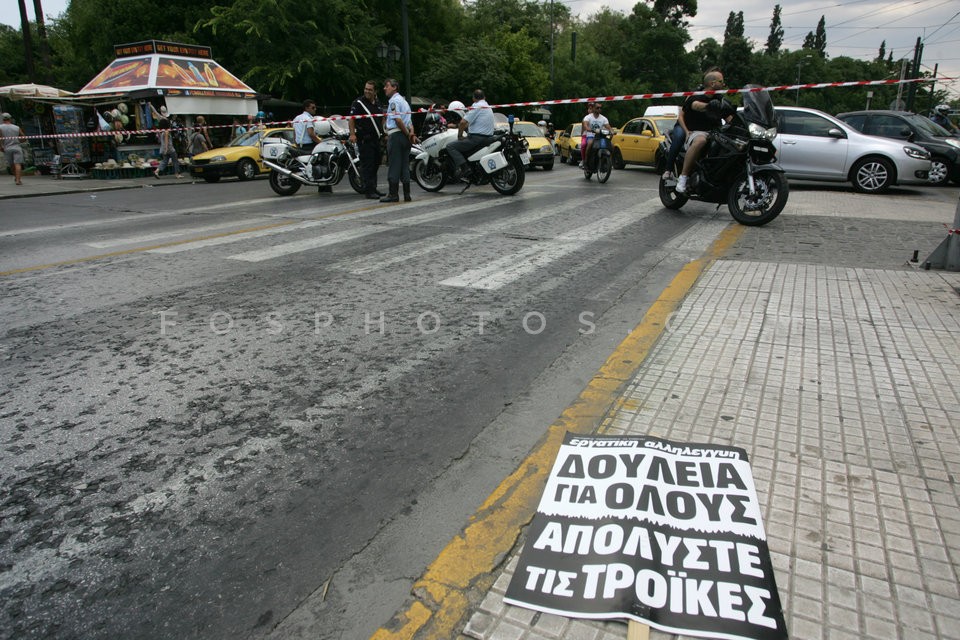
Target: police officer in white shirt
478, 125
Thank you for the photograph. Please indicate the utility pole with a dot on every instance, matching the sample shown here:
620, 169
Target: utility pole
912, 92
42, 35
553, 92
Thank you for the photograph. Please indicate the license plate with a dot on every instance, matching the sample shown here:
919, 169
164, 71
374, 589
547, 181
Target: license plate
198, 169
525, 156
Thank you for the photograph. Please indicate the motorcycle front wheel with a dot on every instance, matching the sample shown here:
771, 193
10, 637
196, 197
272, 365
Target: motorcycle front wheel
772, 191
509, 180
283, 185
355, 180
429, 175
604, 166
669, 197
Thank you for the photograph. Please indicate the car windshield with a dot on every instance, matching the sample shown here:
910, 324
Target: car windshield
528, 130
249, 139
758, 108
665, 125
928, 126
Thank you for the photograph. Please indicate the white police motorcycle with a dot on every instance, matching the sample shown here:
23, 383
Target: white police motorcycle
500, 163
332, 158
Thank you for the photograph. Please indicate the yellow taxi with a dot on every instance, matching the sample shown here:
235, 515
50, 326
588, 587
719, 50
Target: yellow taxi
240, 158
639, 139
541, 149
568, 142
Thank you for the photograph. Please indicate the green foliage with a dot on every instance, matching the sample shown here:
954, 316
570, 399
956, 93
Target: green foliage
775, 39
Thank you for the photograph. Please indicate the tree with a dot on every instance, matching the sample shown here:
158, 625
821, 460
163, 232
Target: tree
298, 50
735, 55
882, 53
775, 39
817, 42
27, 42
734, 27
674, 12
707, 54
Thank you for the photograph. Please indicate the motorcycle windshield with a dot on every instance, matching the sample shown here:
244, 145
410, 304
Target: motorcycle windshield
758, 107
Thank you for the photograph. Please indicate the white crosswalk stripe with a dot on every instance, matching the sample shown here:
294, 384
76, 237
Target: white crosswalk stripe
419, 248
164, 235
507, 269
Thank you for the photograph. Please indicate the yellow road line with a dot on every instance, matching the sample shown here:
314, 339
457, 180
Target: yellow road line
460, 576
124, 252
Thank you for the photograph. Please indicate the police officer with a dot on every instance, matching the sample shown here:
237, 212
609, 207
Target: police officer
478, 125
400, 137
365, 133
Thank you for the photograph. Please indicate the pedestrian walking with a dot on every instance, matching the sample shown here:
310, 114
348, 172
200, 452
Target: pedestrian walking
10, 135
400, 137
168, 152
365, 133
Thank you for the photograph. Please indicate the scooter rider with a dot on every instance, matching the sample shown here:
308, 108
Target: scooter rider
594, 121
941, 117
478, 125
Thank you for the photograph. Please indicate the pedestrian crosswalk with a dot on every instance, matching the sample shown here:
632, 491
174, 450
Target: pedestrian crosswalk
504, 248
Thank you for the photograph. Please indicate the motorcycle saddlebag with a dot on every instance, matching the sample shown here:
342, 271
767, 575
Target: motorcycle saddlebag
493, 161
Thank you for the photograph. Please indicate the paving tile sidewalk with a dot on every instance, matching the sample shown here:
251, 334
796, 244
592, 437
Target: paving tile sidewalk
843, 384
40, 185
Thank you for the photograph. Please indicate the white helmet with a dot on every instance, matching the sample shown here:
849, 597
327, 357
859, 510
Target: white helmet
542, 123
942, 109
322, 128
457, 107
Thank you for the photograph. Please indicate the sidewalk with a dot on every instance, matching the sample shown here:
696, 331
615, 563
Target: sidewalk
818, 348
39, 185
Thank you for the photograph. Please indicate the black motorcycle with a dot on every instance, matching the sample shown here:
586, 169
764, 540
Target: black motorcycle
738, 167
600, 158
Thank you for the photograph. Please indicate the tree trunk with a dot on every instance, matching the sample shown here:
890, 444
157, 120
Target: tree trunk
27, 41
42, 35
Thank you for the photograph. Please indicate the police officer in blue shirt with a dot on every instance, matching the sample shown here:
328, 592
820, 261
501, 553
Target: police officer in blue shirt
398, 126
478, 125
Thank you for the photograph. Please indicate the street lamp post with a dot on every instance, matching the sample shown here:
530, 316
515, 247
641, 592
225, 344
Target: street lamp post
388, 53
800, 64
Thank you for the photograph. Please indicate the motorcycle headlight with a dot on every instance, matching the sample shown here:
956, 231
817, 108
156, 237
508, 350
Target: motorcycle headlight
218, 159
756, 131
916, 152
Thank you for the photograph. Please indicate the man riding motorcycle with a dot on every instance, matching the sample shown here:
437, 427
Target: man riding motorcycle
699, 117
478, 125
592, 122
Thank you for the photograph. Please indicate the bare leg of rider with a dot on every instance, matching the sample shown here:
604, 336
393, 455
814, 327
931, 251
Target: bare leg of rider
693, 153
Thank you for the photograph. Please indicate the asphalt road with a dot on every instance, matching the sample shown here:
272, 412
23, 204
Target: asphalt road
218, 402
232, 415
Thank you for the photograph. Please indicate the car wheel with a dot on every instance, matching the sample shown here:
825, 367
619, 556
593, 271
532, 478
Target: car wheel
212, 179
246, 169
872, 175
548, 166
618, 162
939, 172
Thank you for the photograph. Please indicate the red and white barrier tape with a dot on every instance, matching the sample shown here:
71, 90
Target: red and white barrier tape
621, 98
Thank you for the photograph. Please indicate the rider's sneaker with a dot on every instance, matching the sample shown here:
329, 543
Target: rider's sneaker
668, 175
681, 185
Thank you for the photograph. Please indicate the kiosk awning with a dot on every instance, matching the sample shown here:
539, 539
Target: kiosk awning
187, 76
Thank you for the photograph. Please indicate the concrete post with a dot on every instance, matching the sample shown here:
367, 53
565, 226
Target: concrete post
947, 255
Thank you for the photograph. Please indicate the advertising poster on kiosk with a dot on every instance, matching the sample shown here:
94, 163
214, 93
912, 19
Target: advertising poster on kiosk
668, 534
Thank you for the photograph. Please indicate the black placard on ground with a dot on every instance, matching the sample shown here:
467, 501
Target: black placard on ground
665, 533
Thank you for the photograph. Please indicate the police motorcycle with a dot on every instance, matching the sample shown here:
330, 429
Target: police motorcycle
500, 163
600, 158
738, 167
332, 158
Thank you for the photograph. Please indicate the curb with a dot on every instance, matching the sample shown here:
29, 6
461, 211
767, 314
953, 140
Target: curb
95, 189
467, 567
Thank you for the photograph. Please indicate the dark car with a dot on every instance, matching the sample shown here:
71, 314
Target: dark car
923, 132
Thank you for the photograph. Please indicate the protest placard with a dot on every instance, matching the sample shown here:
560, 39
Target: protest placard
669, 534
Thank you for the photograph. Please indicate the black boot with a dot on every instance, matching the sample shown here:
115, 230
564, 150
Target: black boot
393, 196
406, 192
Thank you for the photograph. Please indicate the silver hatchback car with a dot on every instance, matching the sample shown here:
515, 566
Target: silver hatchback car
813, 145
